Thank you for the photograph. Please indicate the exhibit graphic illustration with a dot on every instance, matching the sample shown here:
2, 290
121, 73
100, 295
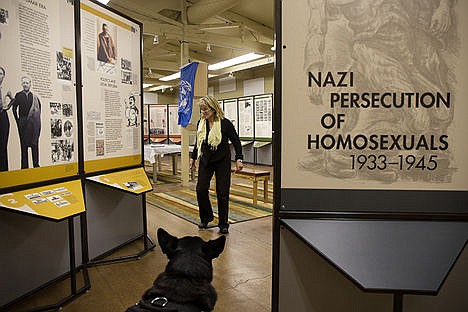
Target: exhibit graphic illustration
379, 95
38, 94
112, 112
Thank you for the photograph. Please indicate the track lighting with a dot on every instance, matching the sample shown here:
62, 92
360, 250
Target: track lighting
156, 39
208, 47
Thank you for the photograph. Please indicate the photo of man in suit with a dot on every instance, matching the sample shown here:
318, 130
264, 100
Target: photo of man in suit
107, 52
27, 112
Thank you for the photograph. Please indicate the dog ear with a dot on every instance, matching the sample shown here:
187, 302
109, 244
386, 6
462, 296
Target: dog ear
214, 248
167, 242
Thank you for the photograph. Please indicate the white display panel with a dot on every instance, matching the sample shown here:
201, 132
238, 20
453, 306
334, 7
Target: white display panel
230, 112
158, 120
246, 123
110, 47
263, 116
374, 102
174, 128
38, 113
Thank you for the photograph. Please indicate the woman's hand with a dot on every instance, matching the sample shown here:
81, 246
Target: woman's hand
239, 165
192, 164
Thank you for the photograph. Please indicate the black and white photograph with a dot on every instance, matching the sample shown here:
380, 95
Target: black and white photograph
64, 66
68, 128
99, 147
62, 151
127, 77
67, 110
126, 64
133, 185
56, 128
3, 16
55, 108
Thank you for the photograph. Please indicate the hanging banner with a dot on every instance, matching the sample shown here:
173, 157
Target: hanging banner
373, 95
187, 80
110, 47
38, 120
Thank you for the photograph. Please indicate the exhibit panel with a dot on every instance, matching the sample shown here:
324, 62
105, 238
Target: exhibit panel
158, 123
374, 109
369, 133
379, 107
38, 110
111, 93
263, 116
231, 112
246, 122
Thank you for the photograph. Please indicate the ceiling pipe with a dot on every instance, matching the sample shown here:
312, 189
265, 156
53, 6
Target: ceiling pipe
204, 9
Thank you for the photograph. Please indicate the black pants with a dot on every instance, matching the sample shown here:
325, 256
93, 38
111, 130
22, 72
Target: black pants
24, 155
222, 170
4, 133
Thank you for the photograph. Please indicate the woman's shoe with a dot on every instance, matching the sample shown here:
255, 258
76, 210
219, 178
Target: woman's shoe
223, 230
203, 225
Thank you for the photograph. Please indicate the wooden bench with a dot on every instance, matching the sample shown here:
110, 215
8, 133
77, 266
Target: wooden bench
255, 176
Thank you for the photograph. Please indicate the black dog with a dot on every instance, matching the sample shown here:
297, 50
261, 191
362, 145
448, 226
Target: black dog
185, 285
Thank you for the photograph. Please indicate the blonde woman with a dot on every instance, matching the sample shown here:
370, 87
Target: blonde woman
214, 155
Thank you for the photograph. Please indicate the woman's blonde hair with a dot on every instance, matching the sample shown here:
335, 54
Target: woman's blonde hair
212, 103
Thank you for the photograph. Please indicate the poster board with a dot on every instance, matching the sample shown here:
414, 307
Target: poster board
174, 128
263, 116
111, 70
158, 120
246, 122
365, 118
38, 134
231, 112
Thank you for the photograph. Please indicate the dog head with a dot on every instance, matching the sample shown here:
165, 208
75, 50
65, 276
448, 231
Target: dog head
190, 255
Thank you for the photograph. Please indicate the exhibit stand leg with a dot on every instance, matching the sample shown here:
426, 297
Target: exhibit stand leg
398, 302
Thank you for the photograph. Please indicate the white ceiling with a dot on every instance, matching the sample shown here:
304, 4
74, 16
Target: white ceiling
230, 27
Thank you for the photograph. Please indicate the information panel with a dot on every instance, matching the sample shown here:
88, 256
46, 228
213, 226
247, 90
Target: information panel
110, 48
246, 123
373, 95
56, 201
134, 180
230, 112
158, 119
263, 116
38, 121
174, 128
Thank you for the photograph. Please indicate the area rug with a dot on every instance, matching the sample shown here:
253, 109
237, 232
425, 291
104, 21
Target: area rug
183, 203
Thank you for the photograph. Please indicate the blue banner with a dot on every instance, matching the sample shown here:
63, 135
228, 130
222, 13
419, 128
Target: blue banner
187, 80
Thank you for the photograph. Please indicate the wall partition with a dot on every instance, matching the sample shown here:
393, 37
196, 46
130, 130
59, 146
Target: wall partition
370, 170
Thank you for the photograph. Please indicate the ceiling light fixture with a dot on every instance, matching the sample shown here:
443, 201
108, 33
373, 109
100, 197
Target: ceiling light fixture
146, 85
150, 72
231, 75
170, 77
208, 47
156, 39
234, 61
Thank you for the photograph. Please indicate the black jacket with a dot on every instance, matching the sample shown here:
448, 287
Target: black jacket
228, 132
